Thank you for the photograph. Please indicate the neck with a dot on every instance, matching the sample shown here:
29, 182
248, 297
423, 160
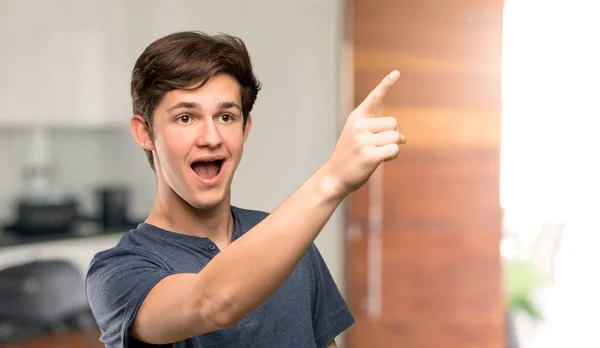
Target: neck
172, 213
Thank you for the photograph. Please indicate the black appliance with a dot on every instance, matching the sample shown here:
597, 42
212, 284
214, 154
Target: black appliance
36, 218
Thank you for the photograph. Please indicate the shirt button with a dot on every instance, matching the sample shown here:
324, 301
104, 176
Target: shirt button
212, 247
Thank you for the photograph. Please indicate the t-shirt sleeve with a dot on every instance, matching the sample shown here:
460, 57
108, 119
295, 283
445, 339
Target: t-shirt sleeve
331, 315
117, 283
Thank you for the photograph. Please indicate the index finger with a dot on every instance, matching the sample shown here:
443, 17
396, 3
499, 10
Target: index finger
371, 105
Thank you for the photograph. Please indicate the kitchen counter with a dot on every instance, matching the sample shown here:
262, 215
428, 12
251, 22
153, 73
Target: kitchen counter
78, 248
9, 239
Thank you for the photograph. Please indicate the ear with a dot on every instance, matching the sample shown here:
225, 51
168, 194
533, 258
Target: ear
247, 127
141, 133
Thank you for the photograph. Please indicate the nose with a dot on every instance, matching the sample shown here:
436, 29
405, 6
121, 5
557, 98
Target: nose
209, 135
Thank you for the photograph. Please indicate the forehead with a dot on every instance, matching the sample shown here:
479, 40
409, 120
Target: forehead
218, 89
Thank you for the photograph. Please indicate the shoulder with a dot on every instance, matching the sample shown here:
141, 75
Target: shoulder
134, 256
135, 244
248, 218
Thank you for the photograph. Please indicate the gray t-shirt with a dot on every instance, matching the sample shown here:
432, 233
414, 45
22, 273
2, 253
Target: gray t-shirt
306, 311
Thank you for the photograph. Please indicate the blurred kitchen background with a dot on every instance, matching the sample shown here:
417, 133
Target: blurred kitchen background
483, 233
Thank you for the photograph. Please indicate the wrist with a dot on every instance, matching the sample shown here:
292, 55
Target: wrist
328, 186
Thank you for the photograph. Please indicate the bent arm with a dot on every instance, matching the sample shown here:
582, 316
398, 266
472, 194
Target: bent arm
250, 270
243, 275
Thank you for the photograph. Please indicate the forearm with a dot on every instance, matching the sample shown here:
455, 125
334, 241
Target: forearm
250, 270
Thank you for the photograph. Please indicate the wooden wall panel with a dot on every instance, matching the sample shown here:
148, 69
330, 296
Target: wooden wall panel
452, 127
441, 284
441, 212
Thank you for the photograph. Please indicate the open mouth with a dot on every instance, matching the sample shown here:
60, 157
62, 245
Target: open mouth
207, 169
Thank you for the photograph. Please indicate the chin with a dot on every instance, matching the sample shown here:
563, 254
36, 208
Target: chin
207, 200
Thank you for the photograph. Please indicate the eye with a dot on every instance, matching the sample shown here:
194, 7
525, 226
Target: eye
226, 118
184, 119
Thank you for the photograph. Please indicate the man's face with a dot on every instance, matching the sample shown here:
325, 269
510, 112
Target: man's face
198, 140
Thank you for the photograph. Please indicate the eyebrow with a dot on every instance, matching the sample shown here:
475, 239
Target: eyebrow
194, 105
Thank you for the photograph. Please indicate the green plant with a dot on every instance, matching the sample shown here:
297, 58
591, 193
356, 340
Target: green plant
521, 278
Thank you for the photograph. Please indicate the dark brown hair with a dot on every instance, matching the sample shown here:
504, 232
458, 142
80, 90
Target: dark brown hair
185, 60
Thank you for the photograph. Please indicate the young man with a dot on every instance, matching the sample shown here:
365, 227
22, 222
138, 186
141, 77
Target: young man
200, 272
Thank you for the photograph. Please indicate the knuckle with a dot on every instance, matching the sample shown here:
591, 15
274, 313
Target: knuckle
362, 139
390, 122
358, 140
375, 97
364, 152
356, 125
395, 151
391, 152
